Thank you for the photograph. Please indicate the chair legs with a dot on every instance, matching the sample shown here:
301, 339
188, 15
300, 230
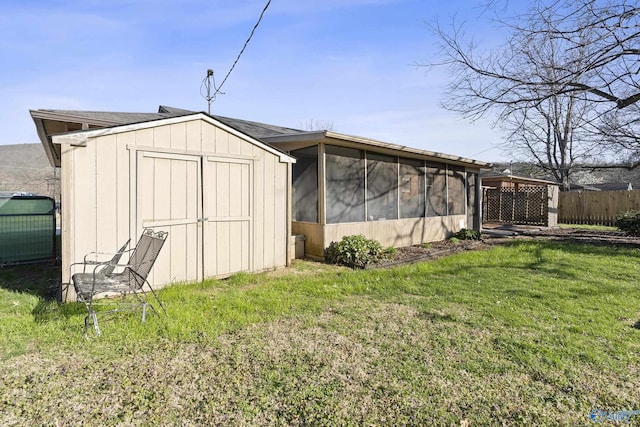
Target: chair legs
158, 301
144, 311
92, 317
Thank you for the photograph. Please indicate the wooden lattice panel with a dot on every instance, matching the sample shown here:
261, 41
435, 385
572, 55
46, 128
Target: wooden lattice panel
491, 205
526, 205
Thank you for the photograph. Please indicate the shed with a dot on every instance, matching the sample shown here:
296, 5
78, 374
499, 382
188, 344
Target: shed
222, 195
516, 199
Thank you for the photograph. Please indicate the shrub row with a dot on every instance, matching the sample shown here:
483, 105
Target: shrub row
629, 222
357, 251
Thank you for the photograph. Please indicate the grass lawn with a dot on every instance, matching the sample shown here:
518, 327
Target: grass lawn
589, 227
531, 333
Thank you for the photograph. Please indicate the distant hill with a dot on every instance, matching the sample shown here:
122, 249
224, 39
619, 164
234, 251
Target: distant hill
25, 167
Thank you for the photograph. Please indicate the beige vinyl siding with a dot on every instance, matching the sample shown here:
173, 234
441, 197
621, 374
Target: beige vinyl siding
396, 233
400, 232
120, 182
258, 211
268, 199
314, 237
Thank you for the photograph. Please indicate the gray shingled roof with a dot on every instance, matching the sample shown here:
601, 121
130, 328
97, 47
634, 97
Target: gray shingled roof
253, 129
108, 118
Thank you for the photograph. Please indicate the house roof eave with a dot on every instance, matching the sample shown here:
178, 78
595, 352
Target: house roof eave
328, 136
46, 142
518, 179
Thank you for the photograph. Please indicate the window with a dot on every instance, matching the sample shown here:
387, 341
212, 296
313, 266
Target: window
344, 176
305, 184
382, 187
411, 188
456, 190
436, 185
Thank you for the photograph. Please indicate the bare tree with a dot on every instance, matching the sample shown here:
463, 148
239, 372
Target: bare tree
315, 124
609, 33
564, 85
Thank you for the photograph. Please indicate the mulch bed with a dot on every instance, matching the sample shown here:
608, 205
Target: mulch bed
435, 250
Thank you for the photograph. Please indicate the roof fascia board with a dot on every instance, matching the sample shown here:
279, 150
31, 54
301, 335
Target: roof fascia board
323, 136
80, 138
403, 148
313, 136
66, 117
518, 179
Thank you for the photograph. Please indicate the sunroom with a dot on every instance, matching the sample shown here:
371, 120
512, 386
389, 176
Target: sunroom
400, 196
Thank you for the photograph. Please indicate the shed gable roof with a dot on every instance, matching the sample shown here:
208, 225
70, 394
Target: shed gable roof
79, 125
495, 177
80, 138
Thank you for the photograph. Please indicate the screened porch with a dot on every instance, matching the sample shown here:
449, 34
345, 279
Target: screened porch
395, 197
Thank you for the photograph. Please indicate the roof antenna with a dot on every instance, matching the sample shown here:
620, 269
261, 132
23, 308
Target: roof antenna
206, 85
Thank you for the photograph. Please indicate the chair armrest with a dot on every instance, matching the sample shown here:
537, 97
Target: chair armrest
86, 264
111, 254
114, 257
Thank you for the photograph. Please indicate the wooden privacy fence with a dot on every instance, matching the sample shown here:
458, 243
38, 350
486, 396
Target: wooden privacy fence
526, 205
595, 207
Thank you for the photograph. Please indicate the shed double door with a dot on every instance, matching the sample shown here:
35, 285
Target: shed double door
204, 203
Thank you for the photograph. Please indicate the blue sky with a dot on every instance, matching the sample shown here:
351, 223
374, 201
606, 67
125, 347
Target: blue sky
346, 62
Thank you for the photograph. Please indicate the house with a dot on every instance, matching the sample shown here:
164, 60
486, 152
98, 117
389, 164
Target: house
605, 186
231, 192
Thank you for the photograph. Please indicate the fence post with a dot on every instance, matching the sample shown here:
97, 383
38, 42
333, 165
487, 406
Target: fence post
553, 192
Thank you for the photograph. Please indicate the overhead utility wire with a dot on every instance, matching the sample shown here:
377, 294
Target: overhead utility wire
243, 48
